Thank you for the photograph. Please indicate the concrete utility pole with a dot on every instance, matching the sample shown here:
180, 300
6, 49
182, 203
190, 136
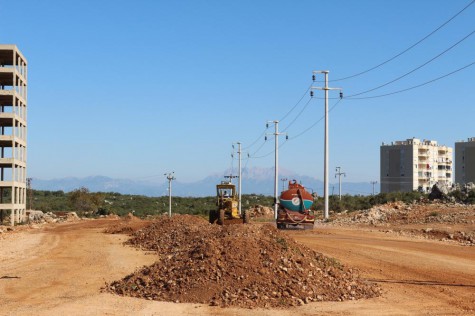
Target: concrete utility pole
239, 177
276, 169
170, 178
326, 150
373, 183
30, 192
283, 183
339, 174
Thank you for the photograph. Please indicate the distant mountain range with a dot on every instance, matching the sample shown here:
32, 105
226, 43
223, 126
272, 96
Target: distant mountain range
255, 180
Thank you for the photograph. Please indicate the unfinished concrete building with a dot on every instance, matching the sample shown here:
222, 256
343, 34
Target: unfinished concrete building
13, 129
465, 161
414, 165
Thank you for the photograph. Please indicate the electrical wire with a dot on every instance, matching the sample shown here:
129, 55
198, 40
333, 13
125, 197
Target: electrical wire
269, 153
256, 140
292, 138
283, 118
298, 115
415, 69
413, 87
314, 124
258, 149
300, 100
407, 49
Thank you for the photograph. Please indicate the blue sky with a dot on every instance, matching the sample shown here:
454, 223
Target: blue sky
136, 89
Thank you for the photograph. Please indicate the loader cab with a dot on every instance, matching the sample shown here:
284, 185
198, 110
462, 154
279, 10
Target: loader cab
225, 191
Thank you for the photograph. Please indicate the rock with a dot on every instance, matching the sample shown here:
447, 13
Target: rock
439, 192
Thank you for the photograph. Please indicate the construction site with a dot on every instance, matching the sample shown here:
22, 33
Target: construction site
133, 90
393, 259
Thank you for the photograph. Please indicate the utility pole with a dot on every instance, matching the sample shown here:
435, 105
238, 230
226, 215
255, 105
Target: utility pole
276, 168
326, 150
373, 183
239, 177
170, 178
30, 192
283, 183
339, 174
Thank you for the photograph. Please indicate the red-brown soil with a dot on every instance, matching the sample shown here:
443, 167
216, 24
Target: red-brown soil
236, 265
59, 269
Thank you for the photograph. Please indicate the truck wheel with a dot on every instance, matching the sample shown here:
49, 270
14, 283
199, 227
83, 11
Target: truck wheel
246, 217
221, 217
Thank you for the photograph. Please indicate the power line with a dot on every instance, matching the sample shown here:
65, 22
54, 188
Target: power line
258, 149
285, 116
407, 49
414, 87
269, 153
300, 100
415, 69
314, 124
298, 115
255, 141
291, 138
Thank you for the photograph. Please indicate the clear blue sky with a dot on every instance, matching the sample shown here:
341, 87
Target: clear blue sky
131, 89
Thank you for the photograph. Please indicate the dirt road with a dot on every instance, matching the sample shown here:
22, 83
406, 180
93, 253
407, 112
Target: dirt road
60, 270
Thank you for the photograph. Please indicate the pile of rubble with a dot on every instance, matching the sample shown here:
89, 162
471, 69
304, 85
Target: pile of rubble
236, 265
414, 213
38, 217
261, 211
442, 191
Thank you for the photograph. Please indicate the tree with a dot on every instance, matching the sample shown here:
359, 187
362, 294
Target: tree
85, 202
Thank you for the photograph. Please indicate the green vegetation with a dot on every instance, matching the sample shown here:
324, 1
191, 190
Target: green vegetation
93, 204
102, 203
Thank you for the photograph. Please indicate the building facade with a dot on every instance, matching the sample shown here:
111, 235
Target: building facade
465, 161
413, 164
13, 128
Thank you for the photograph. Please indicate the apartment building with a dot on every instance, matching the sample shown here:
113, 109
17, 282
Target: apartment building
465, 161
13, 100
414, 165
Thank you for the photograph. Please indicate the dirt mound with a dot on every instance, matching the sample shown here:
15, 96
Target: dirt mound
237, 265
127, 225
131, 217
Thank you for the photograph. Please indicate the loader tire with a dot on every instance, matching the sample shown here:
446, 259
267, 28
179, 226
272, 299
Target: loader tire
212, 216
246, 217
221, 217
